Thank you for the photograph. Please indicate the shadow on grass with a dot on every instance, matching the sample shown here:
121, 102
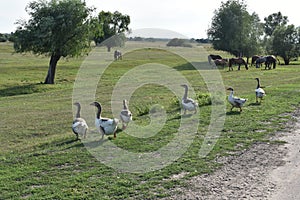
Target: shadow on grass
76, 143
233, 113
187, 115
96, 143
67, 142
20, 90
194, 66
254, 104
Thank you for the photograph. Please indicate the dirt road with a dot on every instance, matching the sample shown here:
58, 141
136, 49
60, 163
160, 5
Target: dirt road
287, 177
266, 171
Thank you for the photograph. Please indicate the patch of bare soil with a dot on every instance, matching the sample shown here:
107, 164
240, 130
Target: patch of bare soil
265, 171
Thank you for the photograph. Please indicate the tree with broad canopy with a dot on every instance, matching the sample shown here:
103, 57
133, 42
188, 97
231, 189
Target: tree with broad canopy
234, 30
285, 42
56, 28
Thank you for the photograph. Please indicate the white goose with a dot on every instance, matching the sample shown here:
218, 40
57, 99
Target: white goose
259, 92
106, 126
125, 115
188, 103
79, 125
235, 101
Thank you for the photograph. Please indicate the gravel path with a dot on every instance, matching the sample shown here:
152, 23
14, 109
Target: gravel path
266, 171
287, 177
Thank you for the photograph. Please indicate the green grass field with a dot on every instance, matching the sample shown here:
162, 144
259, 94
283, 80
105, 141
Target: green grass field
40, 158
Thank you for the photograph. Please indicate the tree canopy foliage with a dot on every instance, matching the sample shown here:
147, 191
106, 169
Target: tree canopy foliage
110, 26
4, 37
281, 39
58, 28
272, 21
285, 42
234, 30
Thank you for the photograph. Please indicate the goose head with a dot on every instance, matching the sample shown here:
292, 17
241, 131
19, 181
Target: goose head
76, 104
184, 85
97, 104
257, 80
230, 89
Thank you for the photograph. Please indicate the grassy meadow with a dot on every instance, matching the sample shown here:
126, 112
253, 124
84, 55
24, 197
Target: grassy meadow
40, 158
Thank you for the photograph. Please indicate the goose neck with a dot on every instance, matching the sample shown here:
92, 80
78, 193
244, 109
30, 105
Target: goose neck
258, 84
78, 111
99, 111
125, 107
185, 93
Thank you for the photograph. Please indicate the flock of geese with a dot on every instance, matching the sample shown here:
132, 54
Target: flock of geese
108, 126
237, 102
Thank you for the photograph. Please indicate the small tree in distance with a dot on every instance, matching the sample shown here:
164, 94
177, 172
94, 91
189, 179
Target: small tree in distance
176, 42
110, 26
58, 28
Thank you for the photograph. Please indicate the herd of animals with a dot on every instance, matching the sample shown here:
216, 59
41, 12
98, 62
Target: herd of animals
109, 126
269, 60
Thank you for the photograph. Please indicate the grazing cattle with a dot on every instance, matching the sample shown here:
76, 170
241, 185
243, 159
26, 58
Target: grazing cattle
237, 61
118, 55
259, 61
213, 57
221, 62
270, 60
254, 58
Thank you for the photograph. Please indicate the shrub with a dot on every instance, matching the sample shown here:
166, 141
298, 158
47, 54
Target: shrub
176, 42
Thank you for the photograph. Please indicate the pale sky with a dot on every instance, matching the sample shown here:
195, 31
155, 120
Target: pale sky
190, 18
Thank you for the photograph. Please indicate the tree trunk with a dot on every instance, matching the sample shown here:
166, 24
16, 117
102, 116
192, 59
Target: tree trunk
286, 61
108, 48
52, 68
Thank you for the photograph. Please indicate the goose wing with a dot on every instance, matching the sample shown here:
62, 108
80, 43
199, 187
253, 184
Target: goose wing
126, 115
104, 122
236, 100
189, 101
260, 92
239, 101
79, 125
79, 122
107, 125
